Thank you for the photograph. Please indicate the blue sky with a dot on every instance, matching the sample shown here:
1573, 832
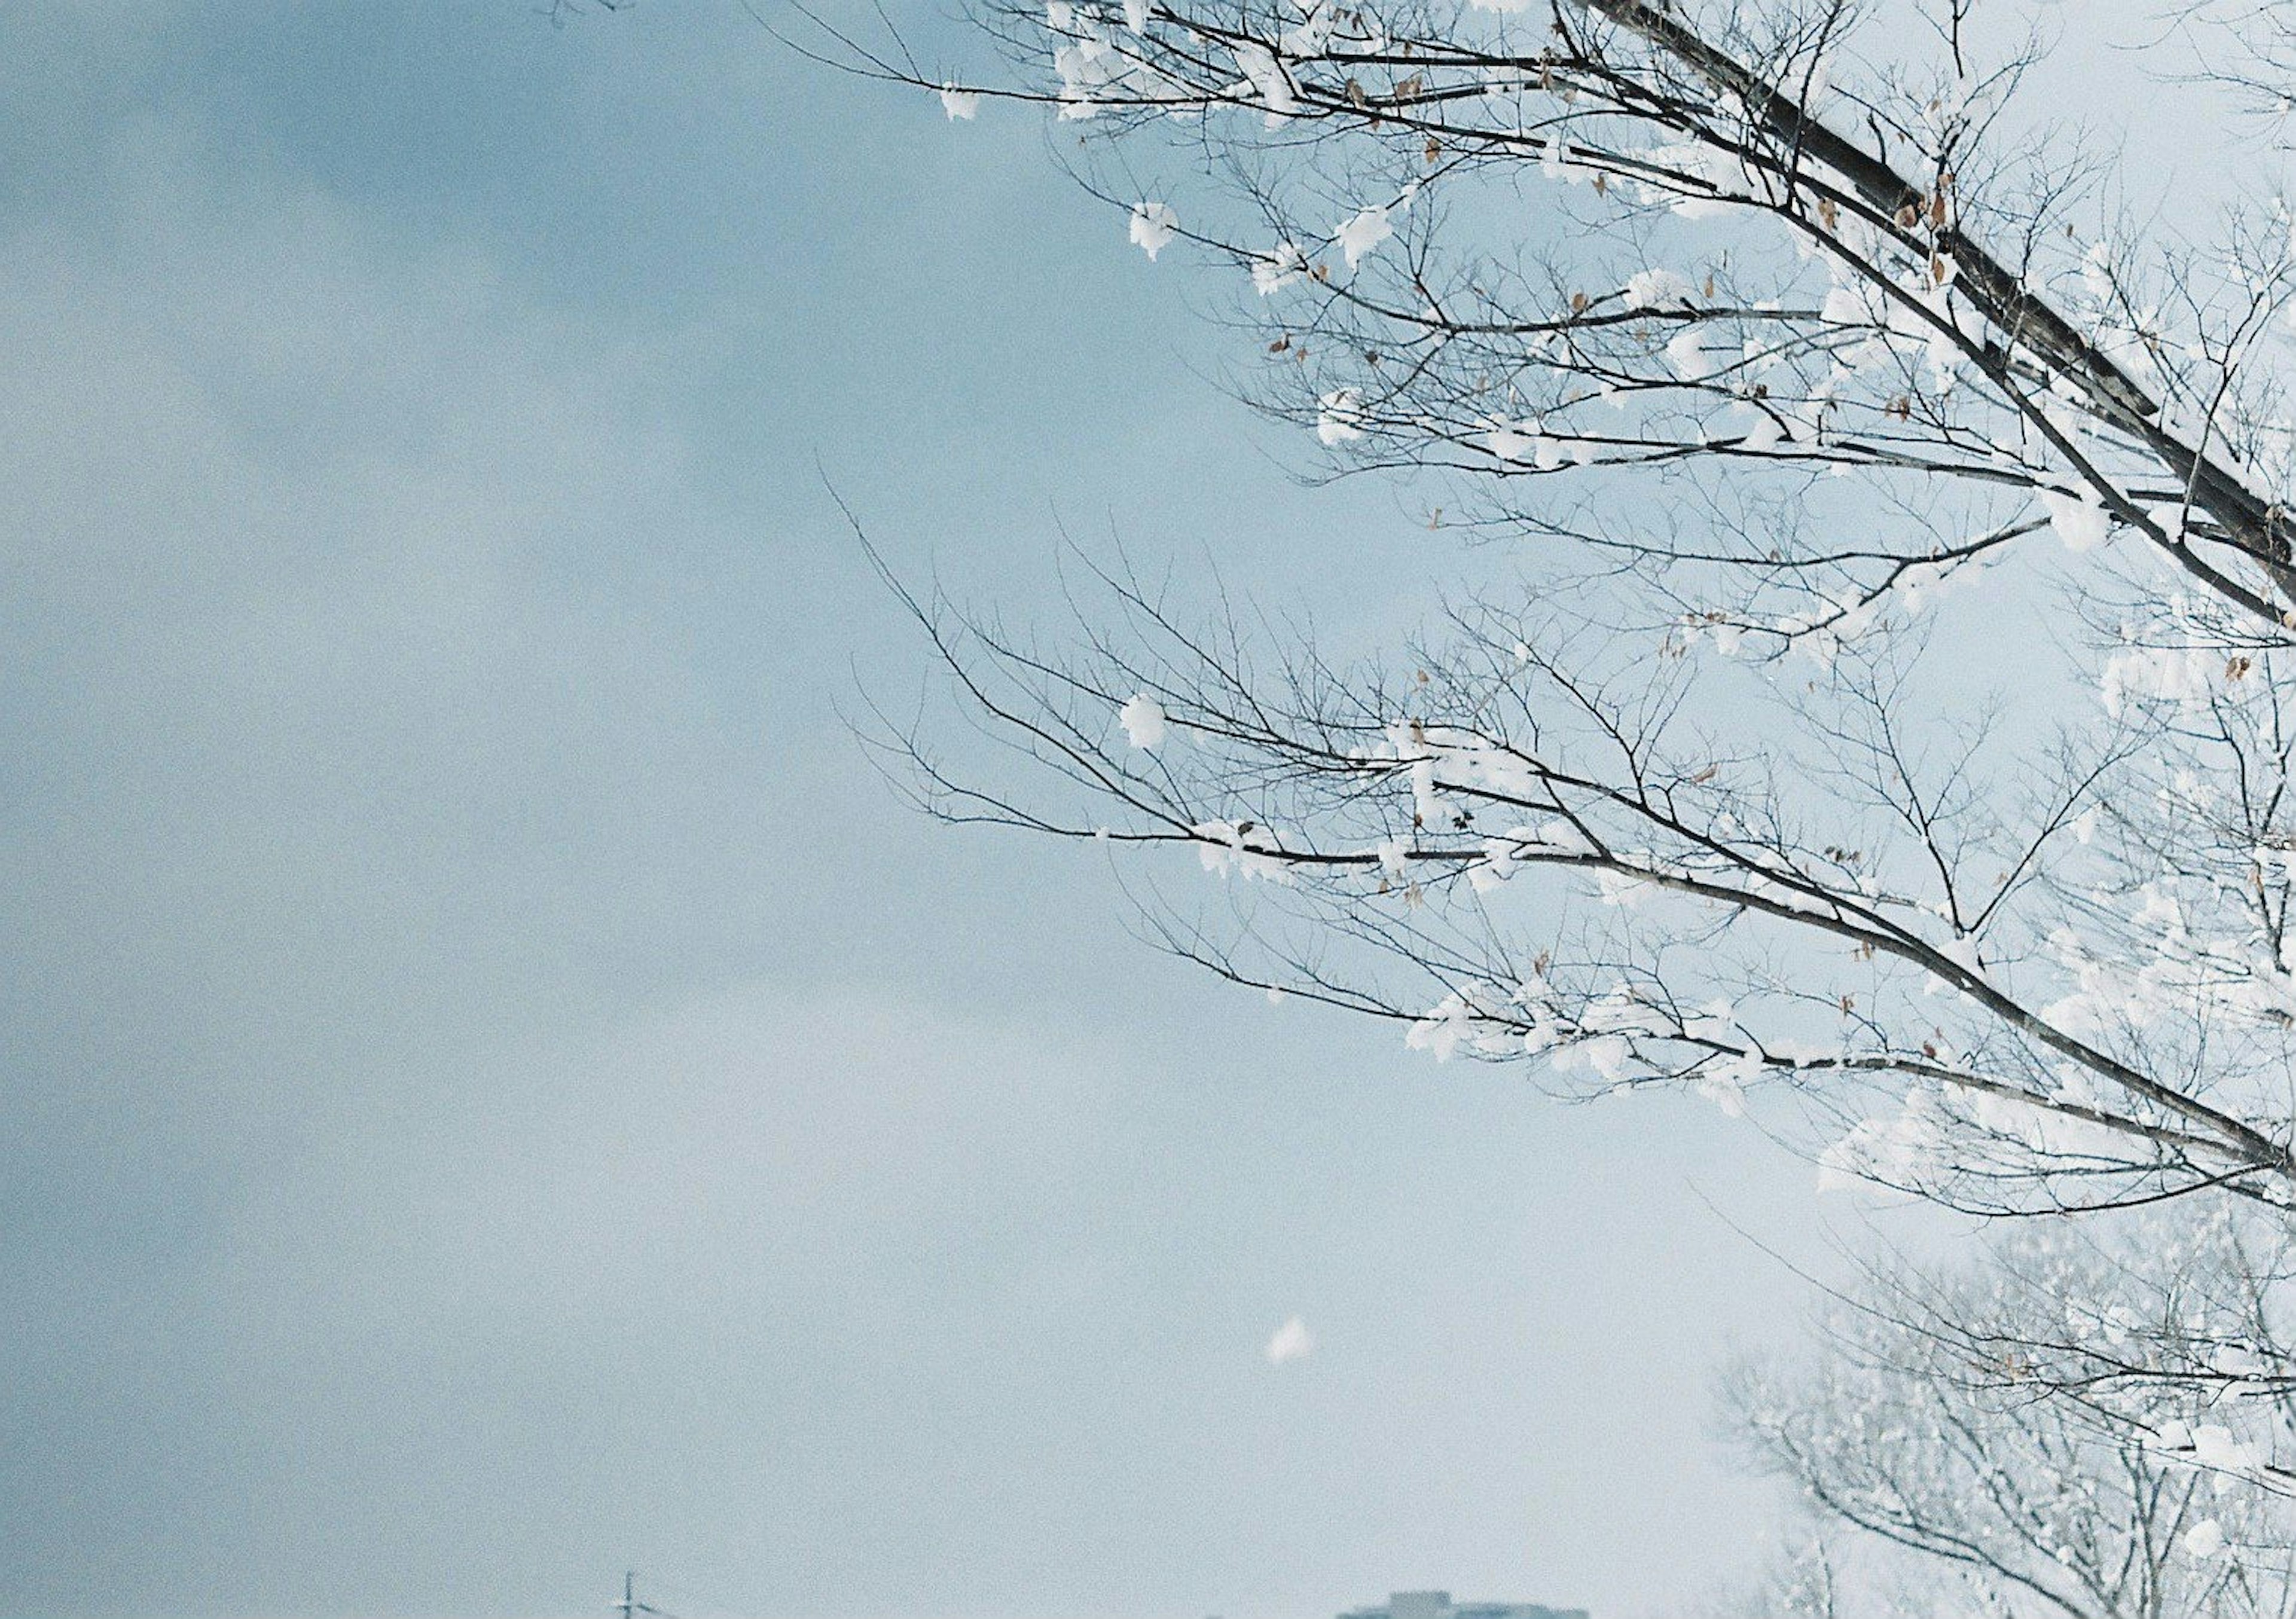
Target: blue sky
496, 1091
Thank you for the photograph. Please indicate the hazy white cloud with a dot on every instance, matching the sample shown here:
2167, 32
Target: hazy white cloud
1292, 1342
480, 1094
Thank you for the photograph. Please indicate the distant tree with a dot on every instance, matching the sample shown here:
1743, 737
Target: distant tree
1934, 1480
1896, 718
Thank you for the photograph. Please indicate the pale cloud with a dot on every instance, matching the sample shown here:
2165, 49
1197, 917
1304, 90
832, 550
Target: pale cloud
479, 1033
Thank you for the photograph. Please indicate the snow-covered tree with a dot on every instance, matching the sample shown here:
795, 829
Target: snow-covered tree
1895, 716
1937, 1481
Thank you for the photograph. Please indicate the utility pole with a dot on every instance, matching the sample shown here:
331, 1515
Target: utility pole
630, 1608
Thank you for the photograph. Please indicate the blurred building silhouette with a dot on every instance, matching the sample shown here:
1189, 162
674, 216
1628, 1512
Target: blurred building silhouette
1437, 1605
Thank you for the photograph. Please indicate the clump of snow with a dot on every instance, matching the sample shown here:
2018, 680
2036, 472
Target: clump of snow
1092, 65
1265, 77
1729, 639
2178, 675
1310, 37
959, 103
1338, 417
1625, 888
1725, 1084
2080, 521
1428, 803
1144, 721
1851, 305
1522, 441
1692, 360
1292, 1342
1506, 442
1474, 1017
1609, 1056
1498, 864
1441, 1031
1278, 268
1886, 1153
2204, 1539
1153, 225
1364, 231
2208, 1444
1659, 290
1231, 848
1962, 951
